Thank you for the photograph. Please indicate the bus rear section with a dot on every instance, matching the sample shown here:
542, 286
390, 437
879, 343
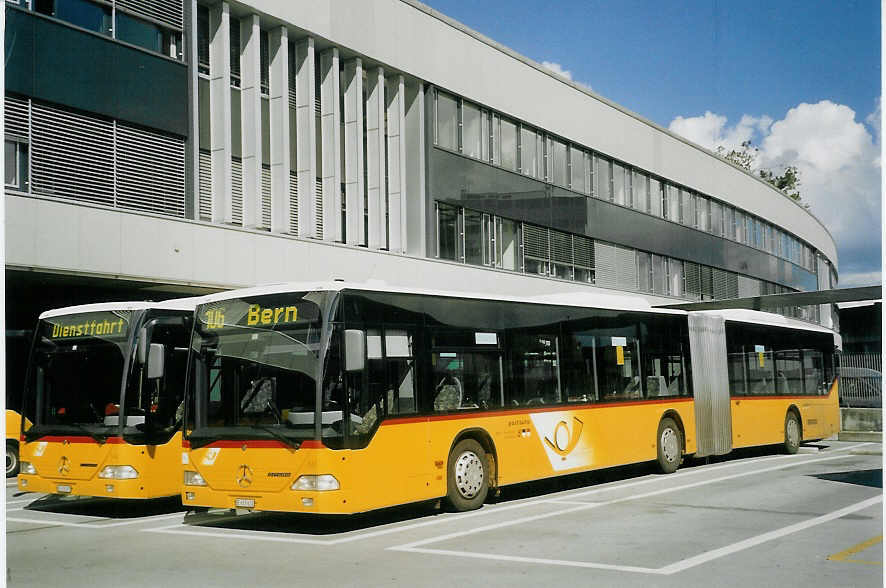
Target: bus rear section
345, 401
105, 383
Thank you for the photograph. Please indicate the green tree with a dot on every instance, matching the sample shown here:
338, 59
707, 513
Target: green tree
788, 181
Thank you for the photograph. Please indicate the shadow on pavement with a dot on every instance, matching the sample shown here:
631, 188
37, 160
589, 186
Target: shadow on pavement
106, 507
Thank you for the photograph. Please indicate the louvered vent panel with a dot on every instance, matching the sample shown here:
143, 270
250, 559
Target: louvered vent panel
293, 203
150, 171
318, 206
166, 11
731, 285
72, 155
707, 281
535, 242
266, 197
693, 280
205, 185
583, 248
16, 117
626, 265
721, 286
237, 190
604, 257
561, 248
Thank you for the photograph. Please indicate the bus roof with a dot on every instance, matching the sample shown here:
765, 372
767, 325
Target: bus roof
757, 317
188, 303
580, 299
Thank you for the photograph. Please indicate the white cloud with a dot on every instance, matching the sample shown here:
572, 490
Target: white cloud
839, 163
557, 69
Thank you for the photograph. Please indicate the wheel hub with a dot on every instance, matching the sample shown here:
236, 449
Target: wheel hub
793, 432
670, 447
468, 474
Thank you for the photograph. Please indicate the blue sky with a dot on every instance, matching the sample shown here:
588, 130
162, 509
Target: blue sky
673, 62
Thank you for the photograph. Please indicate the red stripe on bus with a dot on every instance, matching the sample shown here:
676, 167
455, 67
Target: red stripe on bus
776, 397
526, 410
312, 444
186, 444
262, 444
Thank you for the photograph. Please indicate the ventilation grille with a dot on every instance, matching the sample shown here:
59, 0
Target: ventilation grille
292, 73
72, 155
318, 207
293, 203
693, 280
235, 51
748, 287
205, 185
237, 190
168, 12
583, 249
561, 248
265, 197
626, 266
604, 256
535, 242
16, 117
150, 172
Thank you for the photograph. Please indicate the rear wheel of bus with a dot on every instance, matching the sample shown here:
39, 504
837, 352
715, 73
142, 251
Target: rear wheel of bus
11, 459
468, 476
791, 433
670, 446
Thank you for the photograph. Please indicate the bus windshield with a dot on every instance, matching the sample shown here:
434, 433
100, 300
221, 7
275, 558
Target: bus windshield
78, 364
255, 365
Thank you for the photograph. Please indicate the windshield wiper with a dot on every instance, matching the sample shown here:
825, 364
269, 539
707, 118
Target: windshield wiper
278, 435
98, 439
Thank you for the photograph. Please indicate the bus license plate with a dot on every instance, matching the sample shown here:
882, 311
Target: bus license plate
63, 489
244, 502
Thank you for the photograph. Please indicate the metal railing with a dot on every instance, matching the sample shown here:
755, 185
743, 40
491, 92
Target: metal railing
861, 380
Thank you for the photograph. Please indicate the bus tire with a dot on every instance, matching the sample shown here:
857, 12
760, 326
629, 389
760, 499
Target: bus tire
670, 446
791, 433
467, 479
12, 464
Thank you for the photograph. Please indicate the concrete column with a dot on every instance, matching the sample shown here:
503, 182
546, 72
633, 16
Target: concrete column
415, 201
375, 159
192, 141
279, 109
396, 164
305, 137
220, 111
330, 132
355, 196
250, 117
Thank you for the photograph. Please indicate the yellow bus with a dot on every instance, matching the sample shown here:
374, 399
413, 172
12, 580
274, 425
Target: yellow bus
14, 425
105, 384
338, 398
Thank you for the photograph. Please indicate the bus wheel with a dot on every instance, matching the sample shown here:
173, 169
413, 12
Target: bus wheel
670, 444
791, 433
11, 460
467, 478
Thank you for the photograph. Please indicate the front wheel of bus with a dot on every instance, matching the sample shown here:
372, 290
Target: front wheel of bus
11, 460
791, 433
467, 479
670, 445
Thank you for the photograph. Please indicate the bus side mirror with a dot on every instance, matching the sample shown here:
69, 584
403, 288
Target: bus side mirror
142, 346
156, 358
355, 350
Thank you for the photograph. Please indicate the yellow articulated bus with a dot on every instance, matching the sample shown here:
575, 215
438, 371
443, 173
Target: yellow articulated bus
334, 398
106, 385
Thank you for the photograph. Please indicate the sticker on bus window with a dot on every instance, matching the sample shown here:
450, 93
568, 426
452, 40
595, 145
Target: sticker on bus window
619, 341
759, 349
620, 355
485, 338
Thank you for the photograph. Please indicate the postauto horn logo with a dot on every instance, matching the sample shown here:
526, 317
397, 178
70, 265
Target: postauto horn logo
561, 438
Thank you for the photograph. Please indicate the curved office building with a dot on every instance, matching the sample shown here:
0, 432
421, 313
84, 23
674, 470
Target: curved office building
156, 147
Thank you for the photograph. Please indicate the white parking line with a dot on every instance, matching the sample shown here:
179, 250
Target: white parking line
178, 529
416, 546
93, 525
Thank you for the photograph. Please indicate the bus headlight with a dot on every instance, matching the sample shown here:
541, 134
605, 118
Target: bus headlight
27, 468
194, 479
118, 472
314, 482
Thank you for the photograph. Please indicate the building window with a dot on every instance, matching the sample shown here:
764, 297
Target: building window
530, 153
203, 39
265, 62
508, 139
559, 167
472, 130
603, 178
235, 51
449, 232
618, 185
578, 169
655, 197
447, 121
81, 13
507, 248
147, 35
640, 191
16, 165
